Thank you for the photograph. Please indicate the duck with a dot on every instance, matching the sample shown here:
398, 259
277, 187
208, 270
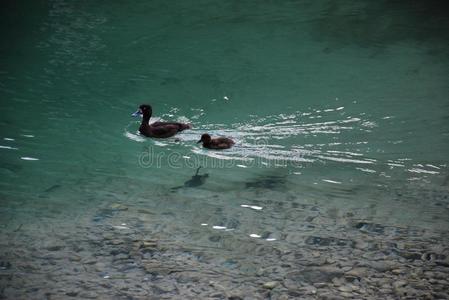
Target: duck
157, 129
215, 143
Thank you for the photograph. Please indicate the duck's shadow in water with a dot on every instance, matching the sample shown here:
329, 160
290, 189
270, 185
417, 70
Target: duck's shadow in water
267, 182
195, 181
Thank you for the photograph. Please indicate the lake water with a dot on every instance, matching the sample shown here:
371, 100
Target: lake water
338, 184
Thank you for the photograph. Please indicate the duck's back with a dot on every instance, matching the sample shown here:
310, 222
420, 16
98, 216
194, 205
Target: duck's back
162, 129
221, 143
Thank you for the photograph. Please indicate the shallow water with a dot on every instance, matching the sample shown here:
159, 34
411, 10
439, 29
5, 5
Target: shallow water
339, 111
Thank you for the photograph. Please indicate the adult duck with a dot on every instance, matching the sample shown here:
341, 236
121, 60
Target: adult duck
157, 129
216, 143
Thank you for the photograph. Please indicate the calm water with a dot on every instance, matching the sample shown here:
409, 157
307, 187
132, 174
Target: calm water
342, 107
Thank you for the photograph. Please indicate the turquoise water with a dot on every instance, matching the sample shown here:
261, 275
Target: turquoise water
338, 110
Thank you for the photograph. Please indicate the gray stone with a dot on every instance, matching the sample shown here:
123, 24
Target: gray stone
399, 283
270, 284
345, 288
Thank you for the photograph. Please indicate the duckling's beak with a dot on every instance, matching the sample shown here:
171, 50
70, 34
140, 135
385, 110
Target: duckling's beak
137, 113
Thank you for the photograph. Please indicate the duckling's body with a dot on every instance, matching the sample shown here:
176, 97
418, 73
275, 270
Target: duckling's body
157, 129
216, 143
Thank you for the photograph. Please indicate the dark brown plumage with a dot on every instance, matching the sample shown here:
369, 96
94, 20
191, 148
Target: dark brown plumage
216, 143
157, 129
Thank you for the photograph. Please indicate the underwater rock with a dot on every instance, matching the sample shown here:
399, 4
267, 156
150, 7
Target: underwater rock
345, 288
429, 256
411, 256
235, 297
55, 248
103, 214
318, 274
358, 272
163, 287
399, 283
5, 265
370, 227
215, 238
270, 284
75, 258
119, 207
148, 247
330, 241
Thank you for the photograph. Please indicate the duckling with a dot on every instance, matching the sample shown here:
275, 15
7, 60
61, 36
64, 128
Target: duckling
157, 129
216, 143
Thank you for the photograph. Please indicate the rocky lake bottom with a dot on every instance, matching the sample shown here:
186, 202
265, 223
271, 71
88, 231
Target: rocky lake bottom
303, 250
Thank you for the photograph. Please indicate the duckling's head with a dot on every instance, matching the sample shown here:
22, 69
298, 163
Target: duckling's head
205, 138
144, 109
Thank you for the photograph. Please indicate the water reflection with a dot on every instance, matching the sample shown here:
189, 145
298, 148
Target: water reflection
295, 141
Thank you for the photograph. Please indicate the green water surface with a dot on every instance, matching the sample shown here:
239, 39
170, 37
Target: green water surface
343, 104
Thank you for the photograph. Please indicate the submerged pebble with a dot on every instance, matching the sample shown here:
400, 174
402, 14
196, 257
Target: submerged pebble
270, 284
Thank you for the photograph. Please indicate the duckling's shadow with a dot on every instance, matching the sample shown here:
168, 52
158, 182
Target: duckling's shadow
195, 181
267, 182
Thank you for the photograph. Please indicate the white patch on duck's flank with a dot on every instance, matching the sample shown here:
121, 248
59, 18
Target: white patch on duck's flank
252, 206
253, 235
9, 139
331, 181
219, 227
8, 147
28, 135
29, 158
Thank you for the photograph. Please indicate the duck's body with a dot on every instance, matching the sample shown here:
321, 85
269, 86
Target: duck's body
216, 143
157, 129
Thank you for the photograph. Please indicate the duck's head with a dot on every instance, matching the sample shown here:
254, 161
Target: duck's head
144, 109
205, 138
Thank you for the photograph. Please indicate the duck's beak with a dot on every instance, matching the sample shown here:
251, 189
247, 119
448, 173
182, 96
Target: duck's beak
199, 141
137, 113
